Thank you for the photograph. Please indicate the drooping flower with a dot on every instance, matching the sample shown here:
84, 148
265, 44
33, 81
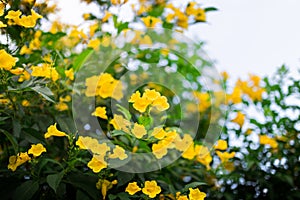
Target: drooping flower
52, 131
105, 185
36, 149
132, 188
16, 161
6, 60
97, 163
151, 188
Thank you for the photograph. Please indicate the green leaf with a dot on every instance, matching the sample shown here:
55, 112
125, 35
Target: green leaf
209, 9
81, 58
145, 121
192, 185
115, 133
121, 196
54, 180
26, 190
124, 111
80, 195
124, 178
45, 92
122, 26
16, 128
11, 139
85, 183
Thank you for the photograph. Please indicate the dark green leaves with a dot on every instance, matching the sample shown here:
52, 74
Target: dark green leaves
54, 180
26, 191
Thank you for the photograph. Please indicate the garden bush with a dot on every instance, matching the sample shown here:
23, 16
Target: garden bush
133, 109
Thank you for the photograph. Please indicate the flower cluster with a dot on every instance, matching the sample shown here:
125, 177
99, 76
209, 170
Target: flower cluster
150, 98
104, 85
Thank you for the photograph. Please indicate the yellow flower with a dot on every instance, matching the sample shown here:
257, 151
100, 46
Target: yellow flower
100, 112
6, 60
236, 96
203, 156
16, 161
135, 97
255, 80
118, 152
86, 16
161, 103
239, 119
132, 188
13, 16
266, 140
146, 40
196, 194
94, 43
52, 131
151, 189
93, 29
70, 74
2, 25
25, 103
117, 2
158, 133
190, 8
150, 21
120, 123
221, 145
106, 16
200, 15
97, 163
141, 104
203, 100
36, 149
105, 185
151, 94
61, 106
138, 130
17, 71
30, 20
159, 150
67, 98
225, 156
225, 75
189, 153
45, 70
182, 198
184, 143
2, 7
93, 145
24, 76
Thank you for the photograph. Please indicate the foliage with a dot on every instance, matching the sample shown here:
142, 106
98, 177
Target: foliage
79, 120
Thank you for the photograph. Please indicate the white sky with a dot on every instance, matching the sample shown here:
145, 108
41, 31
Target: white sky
244, 36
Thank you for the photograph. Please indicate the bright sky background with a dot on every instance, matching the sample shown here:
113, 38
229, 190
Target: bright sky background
244, 36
